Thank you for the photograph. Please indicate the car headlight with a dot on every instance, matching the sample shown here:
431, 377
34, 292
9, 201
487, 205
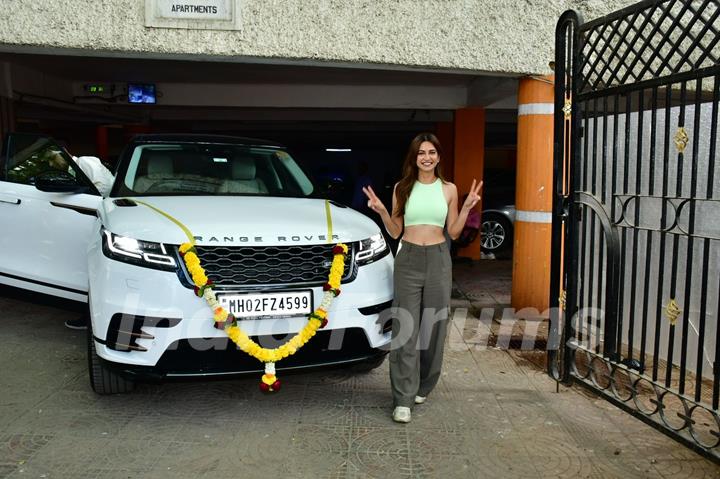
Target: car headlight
372, 249
141, 253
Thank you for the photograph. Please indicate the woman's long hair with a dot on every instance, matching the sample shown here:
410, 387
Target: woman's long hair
410, 170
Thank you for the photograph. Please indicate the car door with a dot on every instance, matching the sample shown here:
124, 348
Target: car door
47, 215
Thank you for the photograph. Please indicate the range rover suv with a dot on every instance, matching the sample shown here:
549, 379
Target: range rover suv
260, 233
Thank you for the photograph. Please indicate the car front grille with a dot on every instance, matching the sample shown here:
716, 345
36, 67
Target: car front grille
308, 265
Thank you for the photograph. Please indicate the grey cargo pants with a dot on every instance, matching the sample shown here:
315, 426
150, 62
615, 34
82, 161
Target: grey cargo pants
423, 280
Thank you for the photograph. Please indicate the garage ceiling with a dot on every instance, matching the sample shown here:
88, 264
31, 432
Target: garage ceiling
153, 70
228, 96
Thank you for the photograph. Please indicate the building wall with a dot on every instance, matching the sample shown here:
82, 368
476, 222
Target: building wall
501, 36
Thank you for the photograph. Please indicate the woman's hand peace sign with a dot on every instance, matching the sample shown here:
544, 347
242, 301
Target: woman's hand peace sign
474, 196
374, 202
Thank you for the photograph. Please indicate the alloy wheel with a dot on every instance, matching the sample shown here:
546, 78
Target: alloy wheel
493, 234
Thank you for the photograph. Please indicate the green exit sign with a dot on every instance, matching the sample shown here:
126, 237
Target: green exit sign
95, 88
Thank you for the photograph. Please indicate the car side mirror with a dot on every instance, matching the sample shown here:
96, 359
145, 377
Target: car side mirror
59, 182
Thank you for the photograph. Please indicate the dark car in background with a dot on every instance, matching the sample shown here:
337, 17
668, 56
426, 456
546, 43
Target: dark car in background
498, 213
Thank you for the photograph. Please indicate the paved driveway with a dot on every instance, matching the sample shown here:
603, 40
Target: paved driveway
493, 415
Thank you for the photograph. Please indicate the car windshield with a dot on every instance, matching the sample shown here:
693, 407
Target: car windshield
154, 169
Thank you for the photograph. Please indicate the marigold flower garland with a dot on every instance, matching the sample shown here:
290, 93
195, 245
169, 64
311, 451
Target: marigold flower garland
227, 322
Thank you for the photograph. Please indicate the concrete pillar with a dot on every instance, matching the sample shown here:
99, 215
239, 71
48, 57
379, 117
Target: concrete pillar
445, 131
469, 159
533, 195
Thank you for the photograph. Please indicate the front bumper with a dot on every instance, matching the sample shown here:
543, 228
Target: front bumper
219, 357
174, 334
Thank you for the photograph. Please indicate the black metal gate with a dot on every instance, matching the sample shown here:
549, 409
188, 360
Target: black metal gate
636, 229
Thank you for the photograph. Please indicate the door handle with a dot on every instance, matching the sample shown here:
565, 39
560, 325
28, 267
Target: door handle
80, 209
9, 200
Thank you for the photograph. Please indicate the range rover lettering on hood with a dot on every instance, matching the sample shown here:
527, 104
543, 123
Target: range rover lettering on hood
260, 239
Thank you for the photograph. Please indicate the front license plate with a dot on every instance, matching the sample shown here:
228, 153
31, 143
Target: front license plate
261, 305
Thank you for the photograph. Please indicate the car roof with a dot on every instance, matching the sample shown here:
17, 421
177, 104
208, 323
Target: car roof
202, 138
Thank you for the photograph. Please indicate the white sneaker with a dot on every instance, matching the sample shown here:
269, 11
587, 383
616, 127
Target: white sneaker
401, 414
420, 399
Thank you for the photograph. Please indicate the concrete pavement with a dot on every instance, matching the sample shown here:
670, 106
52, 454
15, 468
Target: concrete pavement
495, 413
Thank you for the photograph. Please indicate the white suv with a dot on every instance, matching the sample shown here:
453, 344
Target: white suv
260, 234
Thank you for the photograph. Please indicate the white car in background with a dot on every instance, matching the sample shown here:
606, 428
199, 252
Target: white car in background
261, 237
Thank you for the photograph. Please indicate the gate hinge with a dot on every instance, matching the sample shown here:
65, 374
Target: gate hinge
565, 212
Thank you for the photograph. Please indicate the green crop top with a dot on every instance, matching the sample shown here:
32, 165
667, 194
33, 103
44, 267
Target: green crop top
426, 205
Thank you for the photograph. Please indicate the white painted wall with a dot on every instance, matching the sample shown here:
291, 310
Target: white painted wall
500, 36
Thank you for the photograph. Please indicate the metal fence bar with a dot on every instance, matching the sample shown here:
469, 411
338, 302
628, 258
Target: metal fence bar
675, 241
592, 174
613, 317
623, 239
644, 84
649, 234
711, 182
636, 221
609, 327
562, 154
573, 227
701, 327
585, 328
690, 241
613, 186
663, 234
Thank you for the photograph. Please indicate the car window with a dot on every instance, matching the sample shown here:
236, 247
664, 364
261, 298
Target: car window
32, 156
210, 169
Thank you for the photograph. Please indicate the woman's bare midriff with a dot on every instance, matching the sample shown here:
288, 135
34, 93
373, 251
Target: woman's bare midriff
423, 235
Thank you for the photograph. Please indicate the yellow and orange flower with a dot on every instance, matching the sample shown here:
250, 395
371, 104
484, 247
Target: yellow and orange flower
316, 320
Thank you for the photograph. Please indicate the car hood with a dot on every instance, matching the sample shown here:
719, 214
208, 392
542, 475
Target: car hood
235, 220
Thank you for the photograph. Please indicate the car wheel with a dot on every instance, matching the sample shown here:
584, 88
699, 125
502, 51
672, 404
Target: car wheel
103, 380
496, 234
368, 365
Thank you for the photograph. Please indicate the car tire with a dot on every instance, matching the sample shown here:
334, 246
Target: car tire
103, 380
496, 234
368, 365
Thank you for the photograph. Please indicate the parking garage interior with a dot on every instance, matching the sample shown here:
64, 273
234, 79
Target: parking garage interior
339, 121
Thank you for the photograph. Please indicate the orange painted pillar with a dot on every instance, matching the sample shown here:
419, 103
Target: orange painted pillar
533, 194
445, 132
469, 160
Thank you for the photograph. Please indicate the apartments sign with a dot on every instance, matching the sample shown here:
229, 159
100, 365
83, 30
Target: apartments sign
193, 14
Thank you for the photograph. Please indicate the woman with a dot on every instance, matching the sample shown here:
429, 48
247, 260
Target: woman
423, 204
